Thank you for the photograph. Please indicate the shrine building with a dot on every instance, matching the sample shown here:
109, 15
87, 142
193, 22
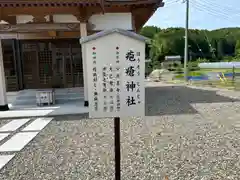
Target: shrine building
39, 40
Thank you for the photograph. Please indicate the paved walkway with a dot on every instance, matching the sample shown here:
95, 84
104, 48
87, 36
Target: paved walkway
23, 104
16, 134
188, 133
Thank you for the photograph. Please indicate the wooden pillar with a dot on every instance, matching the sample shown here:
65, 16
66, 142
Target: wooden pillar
18, 60
83, 32
83, 15
71, 63
64, 69
136, 17
3, 95
15, 62
133, 21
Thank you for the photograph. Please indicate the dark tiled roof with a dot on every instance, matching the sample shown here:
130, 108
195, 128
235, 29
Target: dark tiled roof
56, 3
46, 3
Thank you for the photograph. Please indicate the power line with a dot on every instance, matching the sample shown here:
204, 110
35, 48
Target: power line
211, 9
213, 12
175, 2
199, 49
170, 3
220, 12
208, 10
203, 8
209, 43
222, 8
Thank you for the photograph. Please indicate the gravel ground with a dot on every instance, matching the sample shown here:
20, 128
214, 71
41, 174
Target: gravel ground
189, 134
2, 122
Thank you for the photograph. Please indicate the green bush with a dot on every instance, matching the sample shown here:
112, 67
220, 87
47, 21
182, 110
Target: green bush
171, 67
179, 76
193, 66
179, 70
202, 60
194, 73
194, 69
175, 65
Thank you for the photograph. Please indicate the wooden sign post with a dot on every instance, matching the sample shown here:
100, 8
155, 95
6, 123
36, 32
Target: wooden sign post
116, 78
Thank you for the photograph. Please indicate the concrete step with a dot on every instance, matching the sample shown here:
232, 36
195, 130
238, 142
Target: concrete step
63, 96
57, 96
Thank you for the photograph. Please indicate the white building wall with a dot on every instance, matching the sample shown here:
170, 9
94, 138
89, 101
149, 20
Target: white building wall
112, 20
22, 19
3, 22
64, 18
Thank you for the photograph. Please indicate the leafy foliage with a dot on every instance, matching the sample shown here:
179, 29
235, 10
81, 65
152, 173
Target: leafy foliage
204, 46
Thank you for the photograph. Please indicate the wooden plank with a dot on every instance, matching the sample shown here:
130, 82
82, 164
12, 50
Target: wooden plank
13, 11
42, 35
42, 27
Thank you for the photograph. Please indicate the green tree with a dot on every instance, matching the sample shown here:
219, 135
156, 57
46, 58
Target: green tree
149, 31
220, 49
237, 48
217, 45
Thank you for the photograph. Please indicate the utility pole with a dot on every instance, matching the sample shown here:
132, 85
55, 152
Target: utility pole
186, 41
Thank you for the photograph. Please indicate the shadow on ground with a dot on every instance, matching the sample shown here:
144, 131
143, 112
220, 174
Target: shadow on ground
71, 117
173, 100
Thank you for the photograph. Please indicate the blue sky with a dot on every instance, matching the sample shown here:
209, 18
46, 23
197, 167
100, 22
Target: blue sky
204, 14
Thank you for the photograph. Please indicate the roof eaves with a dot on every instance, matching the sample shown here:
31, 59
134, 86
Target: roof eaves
134, 2
116, 30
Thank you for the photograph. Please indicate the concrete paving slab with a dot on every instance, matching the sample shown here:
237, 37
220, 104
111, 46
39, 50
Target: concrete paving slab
4, 159
13, 125
38, 124
3, 135
18, 141
67, 109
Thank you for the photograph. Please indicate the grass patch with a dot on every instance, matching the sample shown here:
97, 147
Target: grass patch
223, 70
191, 73
203, 72
195, 73
219, 84
179, 76
228, 84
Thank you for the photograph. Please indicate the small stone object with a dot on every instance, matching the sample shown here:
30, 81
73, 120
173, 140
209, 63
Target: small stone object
45, 97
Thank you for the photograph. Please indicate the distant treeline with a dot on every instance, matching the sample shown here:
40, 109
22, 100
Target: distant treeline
217, 45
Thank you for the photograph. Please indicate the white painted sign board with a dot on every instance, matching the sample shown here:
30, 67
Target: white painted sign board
116, 73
